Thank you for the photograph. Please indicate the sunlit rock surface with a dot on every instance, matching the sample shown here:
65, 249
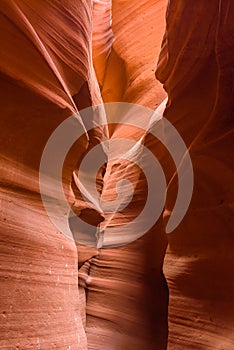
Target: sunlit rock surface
45, 60
117, 298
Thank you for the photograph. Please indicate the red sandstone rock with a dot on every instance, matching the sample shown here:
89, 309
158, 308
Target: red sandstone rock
196, 67
44, 61
122, 297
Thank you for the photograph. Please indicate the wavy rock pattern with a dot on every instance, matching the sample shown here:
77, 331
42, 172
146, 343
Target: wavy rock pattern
119, 297
45, 60
102, 38
138, 29
196, 67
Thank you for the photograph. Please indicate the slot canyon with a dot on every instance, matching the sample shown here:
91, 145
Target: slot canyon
103, 63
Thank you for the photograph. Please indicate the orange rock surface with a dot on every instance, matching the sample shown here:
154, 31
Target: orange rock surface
58, 58
196, 67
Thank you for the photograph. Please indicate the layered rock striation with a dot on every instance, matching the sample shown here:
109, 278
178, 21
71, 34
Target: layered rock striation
58, 59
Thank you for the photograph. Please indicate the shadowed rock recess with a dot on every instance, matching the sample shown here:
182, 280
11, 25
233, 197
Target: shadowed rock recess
162, 291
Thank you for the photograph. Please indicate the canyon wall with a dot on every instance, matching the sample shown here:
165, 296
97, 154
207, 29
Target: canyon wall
196, 68
60, 294
45, 60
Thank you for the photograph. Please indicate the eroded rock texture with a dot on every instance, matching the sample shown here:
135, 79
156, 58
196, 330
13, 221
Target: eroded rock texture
118, 300
45, 60
196, 67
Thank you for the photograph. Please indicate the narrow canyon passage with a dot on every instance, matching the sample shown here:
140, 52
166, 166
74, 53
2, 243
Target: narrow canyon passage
161, 291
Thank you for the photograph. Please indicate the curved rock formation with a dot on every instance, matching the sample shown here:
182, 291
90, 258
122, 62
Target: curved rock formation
45, 60
117, 298
196, 67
